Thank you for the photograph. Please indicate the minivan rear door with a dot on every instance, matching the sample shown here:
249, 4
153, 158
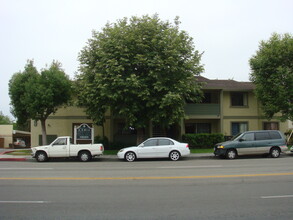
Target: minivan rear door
263, 142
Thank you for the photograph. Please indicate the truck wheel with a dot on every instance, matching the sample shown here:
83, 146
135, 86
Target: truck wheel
231, 154
41, 157
84, 156
275, 152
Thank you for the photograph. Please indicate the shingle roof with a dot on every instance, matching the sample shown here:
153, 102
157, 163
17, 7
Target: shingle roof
228, 85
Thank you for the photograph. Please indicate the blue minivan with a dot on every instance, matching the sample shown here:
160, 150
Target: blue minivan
269, 142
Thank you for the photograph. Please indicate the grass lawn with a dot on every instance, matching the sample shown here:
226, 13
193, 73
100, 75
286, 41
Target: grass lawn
23, 152
200, 151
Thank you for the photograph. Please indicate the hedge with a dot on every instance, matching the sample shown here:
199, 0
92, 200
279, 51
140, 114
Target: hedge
202, 140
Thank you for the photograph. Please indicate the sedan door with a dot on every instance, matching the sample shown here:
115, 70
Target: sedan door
164, 147
147, 149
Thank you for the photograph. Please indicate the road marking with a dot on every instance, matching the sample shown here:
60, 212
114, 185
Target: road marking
146, 178
27, 168
186, 167
25, 202
276, 197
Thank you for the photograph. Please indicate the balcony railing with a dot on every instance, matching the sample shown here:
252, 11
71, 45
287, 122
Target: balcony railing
211, 110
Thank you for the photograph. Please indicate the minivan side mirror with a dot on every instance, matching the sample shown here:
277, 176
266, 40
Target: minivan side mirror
240, 140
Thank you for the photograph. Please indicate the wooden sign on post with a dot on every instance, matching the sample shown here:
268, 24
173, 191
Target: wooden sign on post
83, 132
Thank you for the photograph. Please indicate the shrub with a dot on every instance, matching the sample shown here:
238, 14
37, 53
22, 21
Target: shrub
202, 140
100, 140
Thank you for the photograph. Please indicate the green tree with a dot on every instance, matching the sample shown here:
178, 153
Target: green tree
5, 120
272, 73
37, 95
143, 69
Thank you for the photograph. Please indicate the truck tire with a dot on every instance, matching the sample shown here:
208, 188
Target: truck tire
84, 156
41, 156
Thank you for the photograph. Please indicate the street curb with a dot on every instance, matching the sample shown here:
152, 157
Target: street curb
13, 159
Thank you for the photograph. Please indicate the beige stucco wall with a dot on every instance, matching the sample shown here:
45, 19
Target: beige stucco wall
61, 124
250, 110
6, 132
251, 114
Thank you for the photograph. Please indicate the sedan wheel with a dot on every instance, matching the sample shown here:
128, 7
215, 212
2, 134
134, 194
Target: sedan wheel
174, 155
130, 156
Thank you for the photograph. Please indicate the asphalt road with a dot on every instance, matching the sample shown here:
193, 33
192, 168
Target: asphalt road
192, 188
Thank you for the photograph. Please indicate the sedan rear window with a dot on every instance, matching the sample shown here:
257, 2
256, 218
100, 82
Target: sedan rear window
165, 142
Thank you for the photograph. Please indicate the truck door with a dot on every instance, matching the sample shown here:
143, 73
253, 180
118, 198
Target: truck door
59, 148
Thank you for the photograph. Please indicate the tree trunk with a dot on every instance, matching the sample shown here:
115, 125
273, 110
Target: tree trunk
139, 135
44, 132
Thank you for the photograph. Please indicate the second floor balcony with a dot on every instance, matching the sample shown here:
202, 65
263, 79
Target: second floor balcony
211, 111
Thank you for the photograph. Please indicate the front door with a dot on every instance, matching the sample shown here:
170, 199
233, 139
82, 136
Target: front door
246, 144
147, 149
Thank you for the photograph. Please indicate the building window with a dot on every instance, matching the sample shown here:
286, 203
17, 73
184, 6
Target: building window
197, 128
239, 99
271, 126
239, 127
207, 98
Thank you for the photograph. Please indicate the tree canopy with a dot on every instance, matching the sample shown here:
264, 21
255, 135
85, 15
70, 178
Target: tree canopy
4, 119
272, 73
36, 95
142, 68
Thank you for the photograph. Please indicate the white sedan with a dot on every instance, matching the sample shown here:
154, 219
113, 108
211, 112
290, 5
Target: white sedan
155, 148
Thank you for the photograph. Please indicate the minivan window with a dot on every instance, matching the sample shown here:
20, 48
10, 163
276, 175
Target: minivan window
275, 135
248, 137
262, 136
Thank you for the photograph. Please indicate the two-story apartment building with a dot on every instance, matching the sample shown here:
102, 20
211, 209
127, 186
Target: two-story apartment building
228, 107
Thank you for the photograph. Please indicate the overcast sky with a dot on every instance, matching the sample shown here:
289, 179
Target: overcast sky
227, 31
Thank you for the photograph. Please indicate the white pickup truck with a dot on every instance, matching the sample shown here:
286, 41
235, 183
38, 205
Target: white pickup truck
62, 147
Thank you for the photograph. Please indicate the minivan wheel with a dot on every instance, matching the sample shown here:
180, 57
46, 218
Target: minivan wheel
231, 154
275, 152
